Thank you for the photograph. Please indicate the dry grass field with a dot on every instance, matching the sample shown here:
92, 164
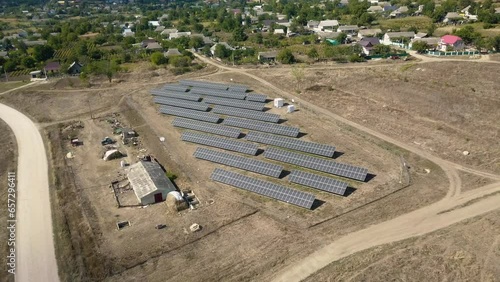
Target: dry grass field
245, 236
7, 164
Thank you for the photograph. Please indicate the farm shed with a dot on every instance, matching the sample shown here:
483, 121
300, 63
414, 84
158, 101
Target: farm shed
149, 182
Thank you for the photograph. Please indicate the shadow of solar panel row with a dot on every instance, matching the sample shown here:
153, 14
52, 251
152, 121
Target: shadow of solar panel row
319, 182
219, 142
230, 111
235, 103
198, 106
192, 114
291, 143
175, 87
264, 188
324, 165
218, 93
207, 127
204, 84
176, 95
239, 162
262, 126
256, 97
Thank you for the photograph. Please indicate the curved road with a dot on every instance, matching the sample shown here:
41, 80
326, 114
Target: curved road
36, 260
454, 207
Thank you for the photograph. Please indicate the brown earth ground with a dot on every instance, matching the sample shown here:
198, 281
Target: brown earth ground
7, 164
445, 108
466, 251
244, 236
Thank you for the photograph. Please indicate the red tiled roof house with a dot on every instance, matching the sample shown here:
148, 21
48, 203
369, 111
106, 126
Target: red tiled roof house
452, 42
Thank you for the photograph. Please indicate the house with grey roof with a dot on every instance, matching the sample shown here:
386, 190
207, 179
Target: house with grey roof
172, 52
348, 29
397, 38
149, 182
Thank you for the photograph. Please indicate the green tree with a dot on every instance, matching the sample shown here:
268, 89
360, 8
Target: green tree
420, 46
221, 51
341, 38
259, 39
42, 53
196, 42
468, 34
28, 62
381, 49
285, 56
158, 58
180, 61
313, 53
239, 34
495, 43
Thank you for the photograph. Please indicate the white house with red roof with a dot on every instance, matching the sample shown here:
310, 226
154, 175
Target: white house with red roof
453, 42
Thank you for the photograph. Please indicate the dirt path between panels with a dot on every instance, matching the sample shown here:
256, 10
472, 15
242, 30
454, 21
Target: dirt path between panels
454, 207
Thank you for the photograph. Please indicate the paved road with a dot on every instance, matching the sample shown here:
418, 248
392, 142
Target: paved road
454, 207
36, 260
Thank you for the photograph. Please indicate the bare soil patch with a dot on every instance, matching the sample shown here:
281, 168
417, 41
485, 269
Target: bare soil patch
466, 251
445, 107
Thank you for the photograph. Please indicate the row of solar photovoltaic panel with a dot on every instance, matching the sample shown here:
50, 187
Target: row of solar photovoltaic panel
319, 182
291, 143
198, 106
235, 103
219, 142
264, 188
262, 126
324, 165
218, 93
218, 129
230, 111
176, 95
244, 163
256, 97
187, 113
204, 84
175, 87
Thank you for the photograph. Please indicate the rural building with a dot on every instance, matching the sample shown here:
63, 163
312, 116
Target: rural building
128, 33
369, 33
267, 56
52, 67
432, 42
399, 12
166, 32
179, 34
368, 43
172, 52
154, 46
348, 29
452, 42
279, 31
328, 25
322, 35
312, 24
75, 68
375, 9
159, 28
452, 17
149, 182
396, 38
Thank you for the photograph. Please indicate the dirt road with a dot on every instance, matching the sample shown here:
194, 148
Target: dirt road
455, 207
34, 241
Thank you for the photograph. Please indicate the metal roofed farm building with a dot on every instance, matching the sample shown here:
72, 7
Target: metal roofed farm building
150, 183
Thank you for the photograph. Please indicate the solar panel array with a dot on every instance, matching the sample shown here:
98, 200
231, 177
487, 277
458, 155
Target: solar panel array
230, 111
207, 127
264, 188
192, 114
262, 126
219, 142
256, 97
291, 143
237, 88
176, 95
239, 162
204, 84
235, 103
218, 93
324, 165
319, 182
198, 106
175, 87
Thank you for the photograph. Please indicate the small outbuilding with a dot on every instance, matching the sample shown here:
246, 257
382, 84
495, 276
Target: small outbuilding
150, 183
